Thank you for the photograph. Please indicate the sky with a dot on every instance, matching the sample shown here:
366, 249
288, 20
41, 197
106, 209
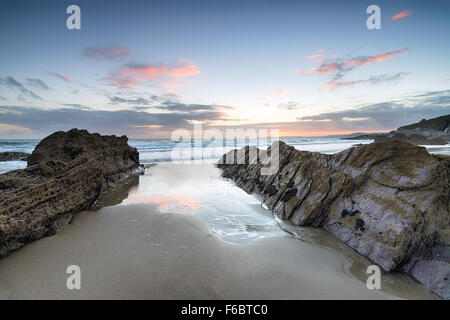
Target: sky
147, 68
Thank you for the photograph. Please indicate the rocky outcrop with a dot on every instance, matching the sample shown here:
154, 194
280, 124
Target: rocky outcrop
65, 174
434, 131
11, 156
389, 201
439, 124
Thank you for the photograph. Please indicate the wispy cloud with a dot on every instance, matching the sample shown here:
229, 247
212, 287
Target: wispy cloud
61, 76
314, 56
171, 95
278, 92
182, 107
12, 83
333, 84
138, 101
402, 15
304, 72
343, 66
291, 105
76, 106
275, 94
106, 53
163, 75
337, 68
360, 61
440, 98
38, 84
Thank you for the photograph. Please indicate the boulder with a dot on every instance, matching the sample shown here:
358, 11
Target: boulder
65, 174
387, 200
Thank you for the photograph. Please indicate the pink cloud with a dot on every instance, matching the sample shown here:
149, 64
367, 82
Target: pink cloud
171, 95
332, 84
278, 92
304, 72
338, 68
314, 56
402, 15
125, 83
337, 65
62, 77
378, 58
327, 67
163, 75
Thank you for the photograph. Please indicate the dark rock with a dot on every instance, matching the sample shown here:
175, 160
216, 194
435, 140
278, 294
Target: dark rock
289, 194
257, 181
271, 190
359, 224
344, 213
66, 173
398, 194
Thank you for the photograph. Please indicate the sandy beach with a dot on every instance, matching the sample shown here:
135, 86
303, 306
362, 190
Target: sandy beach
186, 245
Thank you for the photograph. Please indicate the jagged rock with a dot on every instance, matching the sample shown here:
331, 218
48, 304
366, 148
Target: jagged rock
387, 200
66, 173
11, 156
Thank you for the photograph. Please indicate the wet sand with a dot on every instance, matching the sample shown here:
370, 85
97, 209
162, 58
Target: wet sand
168, 240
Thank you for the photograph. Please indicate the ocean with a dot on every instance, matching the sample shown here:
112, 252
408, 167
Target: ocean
165, 150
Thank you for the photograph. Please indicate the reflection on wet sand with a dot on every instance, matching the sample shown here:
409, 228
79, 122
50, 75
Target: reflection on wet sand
117, 194
398, 284
175, 204
194, 189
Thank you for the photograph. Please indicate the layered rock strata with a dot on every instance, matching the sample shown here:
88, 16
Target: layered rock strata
387, 200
